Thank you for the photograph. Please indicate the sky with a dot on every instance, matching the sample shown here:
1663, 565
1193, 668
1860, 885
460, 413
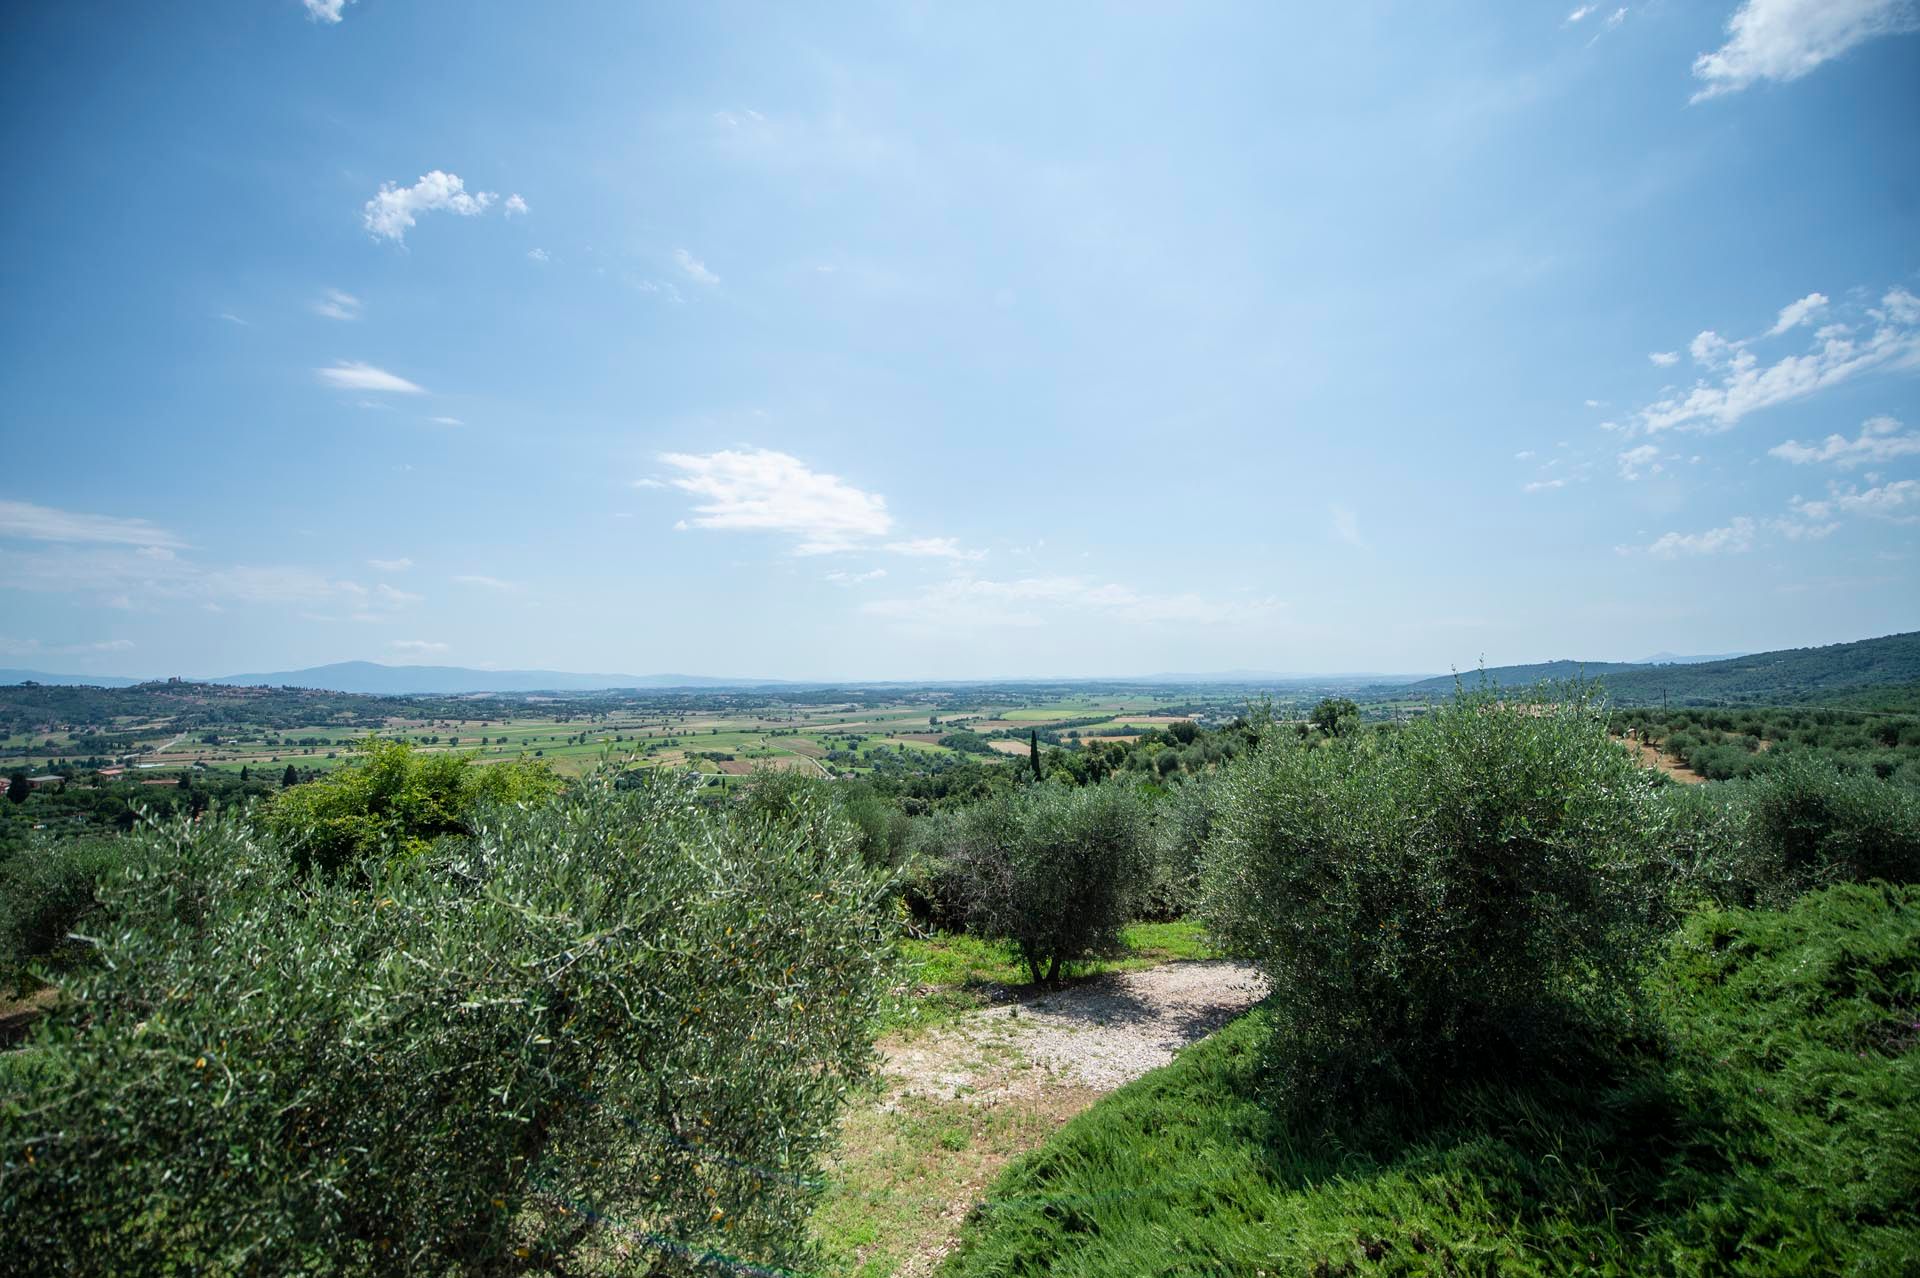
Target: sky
908, 341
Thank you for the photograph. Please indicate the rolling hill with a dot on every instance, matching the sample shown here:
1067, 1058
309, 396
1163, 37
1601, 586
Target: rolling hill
1841, 671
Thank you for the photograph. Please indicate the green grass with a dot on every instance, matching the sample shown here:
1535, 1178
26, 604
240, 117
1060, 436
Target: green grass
952, 973
1777, 1132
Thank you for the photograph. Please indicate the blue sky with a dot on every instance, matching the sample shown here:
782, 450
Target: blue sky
914, 341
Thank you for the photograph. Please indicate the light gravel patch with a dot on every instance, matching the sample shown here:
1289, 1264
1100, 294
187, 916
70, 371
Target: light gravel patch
1094, 1036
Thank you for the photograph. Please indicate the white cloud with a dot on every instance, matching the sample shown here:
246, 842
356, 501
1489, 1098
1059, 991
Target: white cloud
1524, 454
934, 548
44, 523
649, 482
1738, 384
355, 375
514, 205
1346, 525
766, 491
1794, 314
485, 582
1783, 40
325, 10
394, 211
968, 603
696, 269
1880, 440
1898, 501
231, 318
539, 255
392, 598
1735, 538
337, 305
1543, 485
1665, 359
390, 565
421, 647
1638, 461
855, 578
446, 421
1583, 12
1615, 18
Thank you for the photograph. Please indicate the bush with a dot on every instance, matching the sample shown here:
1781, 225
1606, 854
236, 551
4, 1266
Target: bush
1818, 825
46, 890
620, 1010
393, 802
1183, 824
1054, 870
1430, 903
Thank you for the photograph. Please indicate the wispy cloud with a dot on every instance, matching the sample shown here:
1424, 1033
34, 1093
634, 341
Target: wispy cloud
760, 490
446, 421
1898, 501
395, 210
485, 582
1636, 462
1794, 314
418, 647
390, 565
1782, 40
695, 269
337, 305
1581, 14
1542, 485
1880, 440
539, 255
855, 578
357, 376
45, 523
327, 11
935, 548
1736, 383
1736, 537
514, 205
1665, 359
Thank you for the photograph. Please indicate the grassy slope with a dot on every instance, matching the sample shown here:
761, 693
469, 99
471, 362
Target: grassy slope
952, 973
1780, 1135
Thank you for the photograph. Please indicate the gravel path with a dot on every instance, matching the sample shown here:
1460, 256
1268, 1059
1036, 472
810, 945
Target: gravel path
1094, 1035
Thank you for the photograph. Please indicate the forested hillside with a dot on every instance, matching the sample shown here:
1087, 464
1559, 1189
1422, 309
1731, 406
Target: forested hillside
1875, 668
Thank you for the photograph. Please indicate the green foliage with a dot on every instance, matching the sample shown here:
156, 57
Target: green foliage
46, 889
1182, 828
392, 801
784, 794
1054, 870
1335, 716
1776, 1134
621, 1021
1432, 902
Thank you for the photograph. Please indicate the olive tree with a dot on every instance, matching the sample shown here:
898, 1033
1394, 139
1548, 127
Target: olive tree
616, 1025
1055, 870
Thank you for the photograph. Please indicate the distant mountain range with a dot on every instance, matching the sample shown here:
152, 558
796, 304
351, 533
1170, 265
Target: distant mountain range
1784, 677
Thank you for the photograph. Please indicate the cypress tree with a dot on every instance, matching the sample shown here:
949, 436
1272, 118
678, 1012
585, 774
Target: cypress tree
1033, 751
289, 777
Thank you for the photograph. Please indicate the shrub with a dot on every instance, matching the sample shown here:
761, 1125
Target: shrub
391, 801
1054, 870
1183, 824
46, 890
1818, 825
1431, 902
618, 1023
